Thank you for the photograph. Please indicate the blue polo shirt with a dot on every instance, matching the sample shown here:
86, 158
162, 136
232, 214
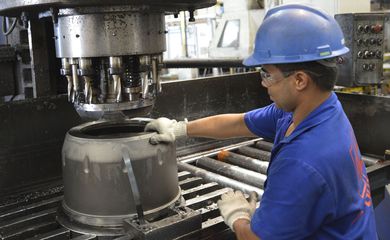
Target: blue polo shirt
317, 186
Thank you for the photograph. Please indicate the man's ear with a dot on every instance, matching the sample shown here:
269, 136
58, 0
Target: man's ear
302, 80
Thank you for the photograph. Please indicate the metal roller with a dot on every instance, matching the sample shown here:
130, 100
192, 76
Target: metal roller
369, 161
223, 181
263, 145
232, 171
255, 153
243, 161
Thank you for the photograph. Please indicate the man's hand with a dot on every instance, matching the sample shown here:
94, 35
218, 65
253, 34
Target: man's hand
168, 130
234, 206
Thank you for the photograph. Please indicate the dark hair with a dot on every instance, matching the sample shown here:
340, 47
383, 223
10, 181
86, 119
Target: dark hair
324, 76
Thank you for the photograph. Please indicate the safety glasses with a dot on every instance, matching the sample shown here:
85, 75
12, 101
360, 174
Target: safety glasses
268, 80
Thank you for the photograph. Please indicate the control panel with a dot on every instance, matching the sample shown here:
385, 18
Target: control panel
364, 36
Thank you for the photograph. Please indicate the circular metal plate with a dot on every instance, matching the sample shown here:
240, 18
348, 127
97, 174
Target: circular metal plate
114, 110
75, 226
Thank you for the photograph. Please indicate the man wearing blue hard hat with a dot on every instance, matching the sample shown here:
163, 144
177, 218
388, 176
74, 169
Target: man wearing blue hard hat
317, 186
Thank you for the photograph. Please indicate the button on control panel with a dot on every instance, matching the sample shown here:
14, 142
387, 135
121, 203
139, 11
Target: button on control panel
364, 36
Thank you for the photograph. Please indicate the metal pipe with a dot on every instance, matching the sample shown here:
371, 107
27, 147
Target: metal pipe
244, 161
223, 181
255, 153
229, 170
369, 161
232, 171
263, 145
202, 63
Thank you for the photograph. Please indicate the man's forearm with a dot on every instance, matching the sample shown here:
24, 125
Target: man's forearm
242, 228
219, 126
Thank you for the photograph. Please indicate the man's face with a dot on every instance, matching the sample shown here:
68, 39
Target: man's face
280, 87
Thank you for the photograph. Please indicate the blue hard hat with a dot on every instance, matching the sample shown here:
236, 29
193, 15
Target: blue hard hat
294, 33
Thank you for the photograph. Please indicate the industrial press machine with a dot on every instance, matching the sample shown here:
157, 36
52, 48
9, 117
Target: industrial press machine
105, 181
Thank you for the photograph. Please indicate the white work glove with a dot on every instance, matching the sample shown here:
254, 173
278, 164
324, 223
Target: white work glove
168, 130
234, 206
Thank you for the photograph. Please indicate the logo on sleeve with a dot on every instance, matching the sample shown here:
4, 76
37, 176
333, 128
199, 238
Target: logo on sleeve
364, 185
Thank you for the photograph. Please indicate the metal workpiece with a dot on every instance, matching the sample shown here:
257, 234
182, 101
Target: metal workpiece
263, 145
97, 191
255, 153
222, 180
105, 34
243, 161
15, 7
120, 110
232, 171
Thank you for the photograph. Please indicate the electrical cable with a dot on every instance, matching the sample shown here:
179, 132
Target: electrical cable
12, 27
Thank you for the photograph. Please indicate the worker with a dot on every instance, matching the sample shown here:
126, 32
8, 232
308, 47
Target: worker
317, 186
